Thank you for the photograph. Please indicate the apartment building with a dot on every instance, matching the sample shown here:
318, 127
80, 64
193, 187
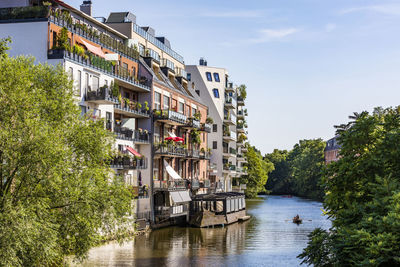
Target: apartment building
180, 152
332, 150
110, 80
228, 136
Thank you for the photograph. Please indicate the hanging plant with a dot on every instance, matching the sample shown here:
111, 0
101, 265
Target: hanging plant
195, 137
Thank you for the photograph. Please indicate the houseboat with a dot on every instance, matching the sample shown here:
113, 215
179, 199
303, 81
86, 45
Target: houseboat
217, 209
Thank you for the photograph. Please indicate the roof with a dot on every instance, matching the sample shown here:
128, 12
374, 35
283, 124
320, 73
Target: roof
217, 196
332, 144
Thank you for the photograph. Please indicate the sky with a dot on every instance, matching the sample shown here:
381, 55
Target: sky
307, 64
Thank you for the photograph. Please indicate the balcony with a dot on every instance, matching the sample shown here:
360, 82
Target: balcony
181, 73
205, 155
102, 96
206, 127
229, 168
244, 149
239, 188
240, 101
170, 117
165, 63
240, 128
230, 102
136, 136
173, 211
101, 65
229, 88
229, 152
170, 151
229, 136
150, 53
195, 184
132, 110
192, 123
212, 168
127, 163
230, 119
193, 154
240, 115
172, 185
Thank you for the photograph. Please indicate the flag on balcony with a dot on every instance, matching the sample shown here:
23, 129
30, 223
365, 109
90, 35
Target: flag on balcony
133, 151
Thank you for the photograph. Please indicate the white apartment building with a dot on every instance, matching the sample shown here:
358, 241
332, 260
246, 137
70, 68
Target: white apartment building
213, 86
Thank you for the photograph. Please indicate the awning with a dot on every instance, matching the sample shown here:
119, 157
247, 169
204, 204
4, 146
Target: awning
133, 151
180, 197
112, 57
171, 171
92, 48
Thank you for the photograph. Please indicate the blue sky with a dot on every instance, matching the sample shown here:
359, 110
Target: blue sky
308, 64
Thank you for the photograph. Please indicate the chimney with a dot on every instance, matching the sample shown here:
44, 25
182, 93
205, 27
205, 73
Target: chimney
202, 61
86, 7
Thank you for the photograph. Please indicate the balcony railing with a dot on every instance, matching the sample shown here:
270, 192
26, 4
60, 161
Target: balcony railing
206, 127
205, 155
170, 115
171, 150
167, 63
151, 53
193, 123
102, 39
230, 101
230, 135
156, 42
170, 211
180, 72
230, 119
134, 112
172, 185
229, 167
240, 101
101, 96
129, 163
100, 64
193, 153
132, 135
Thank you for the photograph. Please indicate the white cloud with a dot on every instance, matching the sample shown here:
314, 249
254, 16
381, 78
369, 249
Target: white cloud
384, 9
330, 27
233, 14
265, 36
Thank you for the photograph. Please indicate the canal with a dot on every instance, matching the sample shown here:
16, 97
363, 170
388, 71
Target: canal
268, 239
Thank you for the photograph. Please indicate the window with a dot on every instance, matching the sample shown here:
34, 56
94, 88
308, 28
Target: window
215, 144
198, 92
83, 110
209, 78
216, 77
127, 95
87, 82
189, 77
166, 102
95, 83
216, 93
157, 100
194, 111
215, 128
79, 86
181, 107
108, 121
71, 73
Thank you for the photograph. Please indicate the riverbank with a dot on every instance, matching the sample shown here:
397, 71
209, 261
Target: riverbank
268, 238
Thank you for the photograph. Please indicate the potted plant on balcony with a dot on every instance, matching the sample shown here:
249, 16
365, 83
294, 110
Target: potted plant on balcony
197, 115
115, 90
195, 137
157, 112
146, 107
127, 103
138, 106
209, 120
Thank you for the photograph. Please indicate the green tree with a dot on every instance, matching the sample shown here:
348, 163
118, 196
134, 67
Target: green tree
363, 195
242, 91
306, 161
4, 47
279, 180
257, 172
56, 191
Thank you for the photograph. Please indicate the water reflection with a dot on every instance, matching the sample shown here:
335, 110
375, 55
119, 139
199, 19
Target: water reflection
268, 239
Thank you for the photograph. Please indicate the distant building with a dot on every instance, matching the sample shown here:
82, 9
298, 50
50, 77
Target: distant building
332, 150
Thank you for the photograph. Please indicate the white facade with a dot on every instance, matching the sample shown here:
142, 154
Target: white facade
214, 94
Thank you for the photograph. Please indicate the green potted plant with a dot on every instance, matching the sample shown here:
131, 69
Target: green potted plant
146, 106
209, 120
127, 103
139, 106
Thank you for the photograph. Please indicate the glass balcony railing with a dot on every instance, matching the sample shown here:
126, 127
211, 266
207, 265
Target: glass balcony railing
153, 54
170, 115
181, 72
167, 63
230, 134
156, 42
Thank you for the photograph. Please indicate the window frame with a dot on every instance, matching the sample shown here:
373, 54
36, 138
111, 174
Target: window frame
216, 93
157, 102
216, 77
209, 76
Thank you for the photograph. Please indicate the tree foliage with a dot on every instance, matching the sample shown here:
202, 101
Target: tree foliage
363, 195
298, 171
56, 192
257, 172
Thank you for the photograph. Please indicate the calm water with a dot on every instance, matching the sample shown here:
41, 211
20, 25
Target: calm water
268, 239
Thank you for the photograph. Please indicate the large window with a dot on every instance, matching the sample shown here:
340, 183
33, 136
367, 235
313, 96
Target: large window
181, 107
79, 85
216, 93
95, 83
166, 102
209, 77
157, 100
216, 77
